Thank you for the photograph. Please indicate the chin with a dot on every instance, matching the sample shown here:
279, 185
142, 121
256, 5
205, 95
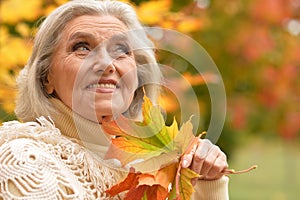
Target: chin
110, 108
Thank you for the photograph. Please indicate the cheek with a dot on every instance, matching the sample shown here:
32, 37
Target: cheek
128, 72
65, 76
131, 84
129, 80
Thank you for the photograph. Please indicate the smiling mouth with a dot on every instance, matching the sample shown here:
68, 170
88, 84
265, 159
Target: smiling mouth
102, 85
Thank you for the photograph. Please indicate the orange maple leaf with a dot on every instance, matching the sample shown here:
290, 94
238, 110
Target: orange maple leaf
160, 148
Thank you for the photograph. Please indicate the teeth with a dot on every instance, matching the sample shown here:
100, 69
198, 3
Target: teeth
103, 85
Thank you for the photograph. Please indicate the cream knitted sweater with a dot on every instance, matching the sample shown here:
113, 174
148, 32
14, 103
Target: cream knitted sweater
40, 160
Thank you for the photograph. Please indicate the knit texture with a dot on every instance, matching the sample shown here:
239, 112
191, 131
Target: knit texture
212, 190
37, 162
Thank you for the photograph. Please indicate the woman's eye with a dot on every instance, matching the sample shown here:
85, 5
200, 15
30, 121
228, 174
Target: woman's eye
81, 46
82, 49
120, 50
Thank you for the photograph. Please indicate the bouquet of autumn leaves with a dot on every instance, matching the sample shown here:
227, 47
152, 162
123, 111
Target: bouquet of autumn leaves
154, 152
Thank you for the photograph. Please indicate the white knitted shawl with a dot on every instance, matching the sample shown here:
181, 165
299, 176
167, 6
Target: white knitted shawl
37, 162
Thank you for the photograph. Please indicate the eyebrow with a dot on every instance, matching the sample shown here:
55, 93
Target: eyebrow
77, 35
116, 37
120, 37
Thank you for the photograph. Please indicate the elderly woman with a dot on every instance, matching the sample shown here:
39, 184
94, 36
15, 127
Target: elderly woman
86, 66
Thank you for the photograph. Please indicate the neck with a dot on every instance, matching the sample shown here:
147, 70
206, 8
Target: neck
75, 126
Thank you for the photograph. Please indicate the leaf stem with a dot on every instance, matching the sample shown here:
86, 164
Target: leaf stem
232, 171
177, 179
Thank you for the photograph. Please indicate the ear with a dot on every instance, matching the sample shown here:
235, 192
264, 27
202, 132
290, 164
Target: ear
49, 87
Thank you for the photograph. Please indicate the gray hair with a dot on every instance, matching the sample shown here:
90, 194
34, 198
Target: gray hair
33, 101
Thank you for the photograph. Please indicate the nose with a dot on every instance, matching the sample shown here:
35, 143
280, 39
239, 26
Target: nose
104, 63
110, 69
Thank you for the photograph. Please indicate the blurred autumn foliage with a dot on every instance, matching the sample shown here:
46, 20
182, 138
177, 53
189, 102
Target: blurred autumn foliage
254, 43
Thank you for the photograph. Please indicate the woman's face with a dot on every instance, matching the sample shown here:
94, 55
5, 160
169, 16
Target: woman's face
93, 70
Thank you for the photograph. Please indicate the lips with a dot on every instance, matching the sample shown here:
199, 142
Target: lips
104, 84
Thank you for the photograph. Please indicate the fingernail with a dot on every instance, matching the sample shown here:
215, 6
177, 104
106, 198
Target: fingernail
184, 163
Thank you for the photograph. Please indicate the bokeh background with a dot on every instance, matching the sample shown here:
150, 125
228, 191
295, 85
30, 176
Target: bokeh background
256, 46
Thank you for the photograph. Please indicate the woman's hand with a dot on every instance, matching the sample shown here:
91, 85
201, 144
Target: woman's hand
207, 160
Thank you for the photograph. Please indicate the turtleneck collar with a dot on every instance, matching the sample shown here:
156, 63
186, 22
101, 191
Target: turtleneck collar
72, 125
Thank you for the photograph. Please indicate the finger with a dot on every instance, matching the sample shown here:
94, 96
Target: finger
203, 148
210, 160
220, 164
188, 158
197, 165
194, 181
200, 155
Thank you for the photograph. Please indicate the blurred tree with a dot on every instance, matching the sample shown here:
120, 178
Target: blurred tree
256, 46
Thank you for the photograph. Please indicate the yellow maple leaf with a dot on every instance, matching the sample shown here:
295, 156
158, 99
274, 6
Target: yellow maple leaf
159, 150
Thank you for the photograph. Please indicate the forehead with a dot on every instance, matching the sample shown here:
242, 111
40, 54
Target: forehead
99, 26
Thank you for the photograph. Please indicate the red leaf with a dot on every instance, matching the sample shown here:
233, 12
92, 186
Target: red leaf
157, 192
136, 193
131, 181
